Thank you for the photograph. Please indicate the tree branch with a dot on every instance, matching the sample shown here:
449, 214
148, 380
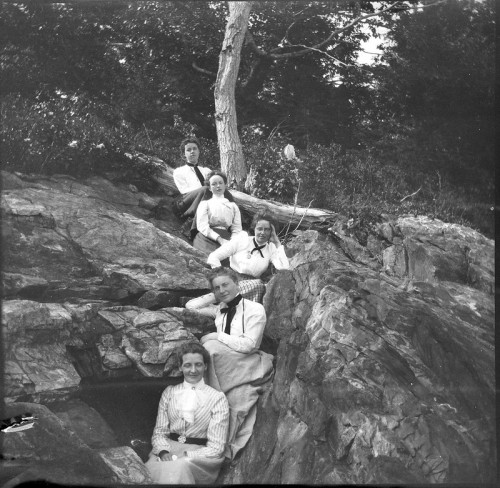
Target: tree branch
362, 18
203, 70
409, 196
322, 52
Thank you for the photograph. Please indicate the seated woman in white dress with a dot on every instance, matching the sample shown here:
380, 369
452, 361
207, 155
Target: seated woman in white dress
189, 179
217, 219
191, 428
250, 257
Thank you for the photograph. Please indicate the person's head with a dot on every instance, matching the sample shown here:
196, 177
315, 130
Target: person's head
262, 226
224, 284
217, 182
190, 149
193, 361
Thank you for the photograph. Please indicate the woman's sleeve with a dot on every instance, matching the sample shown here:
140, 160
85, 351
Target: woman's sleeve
226, 250
278, 257
162, 427
202, 223
236, 224
217, 431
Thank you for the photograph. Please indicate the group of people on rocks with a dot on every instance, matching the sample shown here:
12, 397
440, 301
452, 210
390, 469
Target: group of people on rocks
211, 414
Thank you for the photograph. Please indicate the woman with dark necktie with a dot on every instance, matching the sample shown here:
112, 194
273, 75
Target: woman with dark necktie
250, 256
237, 366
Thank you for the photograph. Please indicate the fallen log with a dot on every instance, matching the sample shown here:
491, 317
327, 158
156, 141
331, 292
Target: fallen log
286, 215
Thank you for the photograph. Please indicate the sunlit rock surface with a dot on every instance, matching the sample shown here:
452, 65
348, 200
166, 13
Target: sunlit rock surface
385, 350
91, 241
49, 346
379, 380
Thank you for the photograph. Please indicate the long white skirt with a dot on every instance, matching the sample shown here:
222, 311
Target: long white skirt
184, 471
242, 378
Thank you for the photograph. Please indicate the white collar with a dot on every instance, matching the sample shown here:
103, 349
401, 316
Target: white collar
253, 237
190, 386
222, 198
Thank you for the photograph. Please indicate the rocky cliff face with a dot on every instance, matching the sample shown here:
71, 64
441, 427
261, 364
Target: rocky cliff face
385, 365
380, 379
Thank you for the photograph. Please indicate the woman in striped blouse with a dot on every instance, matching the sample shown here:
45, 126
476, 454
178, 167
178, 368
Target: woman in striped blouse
191, 428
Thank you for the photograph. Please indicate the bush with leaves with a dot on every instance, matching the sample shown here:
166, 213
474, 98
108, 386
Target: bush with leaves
63, 134
362, 184
273, 176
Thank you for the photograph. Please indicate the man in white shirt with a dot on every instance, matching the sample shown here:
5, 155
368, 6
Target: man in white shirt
189, 179
186, 177
237, 366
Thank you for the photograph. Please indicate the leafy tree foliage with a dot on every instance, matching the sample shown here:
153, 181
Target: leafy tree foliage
84, 83
436, 82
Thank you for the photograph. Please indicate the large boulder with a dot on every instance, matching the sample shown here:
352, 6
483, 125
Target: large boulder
36, 338
92, 239
376, 381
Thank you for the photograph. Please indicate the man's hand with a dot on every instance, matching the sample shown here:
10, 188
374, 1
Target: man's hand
209, 337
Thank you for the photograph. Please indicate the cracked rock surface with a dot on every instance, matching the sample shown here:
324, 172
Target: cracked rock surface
385, 348
377, 381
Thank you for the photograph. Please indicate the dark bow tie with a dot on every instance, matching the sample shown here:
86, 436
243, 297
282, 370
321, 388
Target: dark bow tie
257, 248
230, 310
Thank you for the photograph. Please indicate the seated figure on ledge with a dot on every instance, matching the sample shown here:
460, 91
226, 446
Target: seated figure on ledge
218, 218
237, 367
250, 257
191, 428
189, 179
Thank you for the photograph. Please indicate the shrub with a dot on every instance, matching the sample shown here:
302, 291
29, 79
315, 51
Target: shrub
274, 176
71, 134
362, 185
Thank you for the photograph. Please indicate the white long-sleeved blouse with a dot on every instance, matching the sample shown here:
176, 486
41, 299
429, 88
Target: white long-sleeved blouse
247, 326
218, 212
243, 260
211, 420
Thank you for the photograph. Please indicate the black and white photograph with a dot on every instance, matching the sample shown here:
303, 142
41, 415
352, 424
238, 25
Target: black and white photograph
248, 242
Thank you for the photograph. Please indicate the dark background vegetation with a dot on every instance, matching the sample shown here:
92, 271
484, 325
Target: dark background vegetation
82, 84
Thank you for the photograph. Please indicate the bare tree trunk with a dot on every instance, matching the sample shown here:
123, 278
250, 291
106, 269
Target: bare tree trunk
231, 152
